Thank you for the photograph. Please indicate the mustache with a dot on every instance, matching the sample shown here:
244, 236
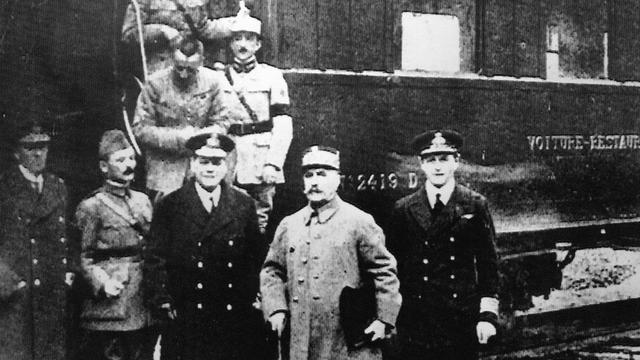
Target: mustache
128, 171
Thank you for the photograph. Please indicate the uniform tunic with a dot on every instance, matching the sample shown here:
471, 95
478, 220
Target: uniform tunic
267, 93
156, 14
311, 259
110, 241
206, 265
166, 116
33, 248
445, 266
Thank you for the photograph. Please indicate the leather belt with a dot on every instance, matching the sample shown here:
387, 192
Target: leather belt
250, 128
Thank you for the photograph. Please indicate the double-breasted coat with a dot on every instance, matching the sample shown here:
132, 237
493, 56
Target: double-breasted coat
308, 264
33, 249
112, 247
445, 265
206, 266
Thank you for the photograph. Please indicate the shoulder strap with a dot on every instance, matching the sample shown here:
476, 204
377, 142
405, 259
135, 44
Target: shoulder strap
243, 101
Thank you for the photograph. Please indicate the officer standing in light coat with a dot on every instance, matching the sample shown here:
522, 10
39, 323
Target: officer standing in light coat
261, 123
113, 222
174, 105
316, 252
165, 22
35, 267
444, 240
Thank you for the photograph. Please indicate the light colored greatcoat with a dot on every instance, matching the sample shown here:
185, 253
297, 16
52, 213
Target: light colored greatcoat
33, 249
310, 261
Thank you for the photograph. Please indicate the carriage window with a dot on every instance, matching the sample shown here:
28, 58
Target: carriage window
430, 42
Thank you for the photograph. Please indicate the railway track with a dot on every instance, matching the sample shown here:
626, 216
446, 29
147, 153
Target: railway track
622, 345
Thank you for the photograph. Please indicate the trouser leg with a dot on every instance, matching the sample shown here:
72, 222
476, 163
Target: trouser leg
263, 195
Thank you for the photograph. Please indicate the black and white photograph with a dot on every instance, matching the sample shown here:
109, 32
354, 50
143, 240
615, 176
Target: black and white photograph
319, 179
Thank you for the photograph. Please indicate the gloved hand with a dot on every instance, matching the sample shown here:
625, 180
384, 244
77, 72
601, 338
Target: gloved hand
485, 330
113, 288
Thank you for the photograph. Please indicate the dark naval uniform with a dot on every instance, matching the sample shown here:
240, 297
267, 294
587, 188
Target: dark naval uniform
206, 266
112, 248
446, 265
33, 249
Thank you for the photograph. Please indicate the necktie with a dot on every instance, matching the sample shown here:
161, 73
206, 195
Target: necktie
438, 206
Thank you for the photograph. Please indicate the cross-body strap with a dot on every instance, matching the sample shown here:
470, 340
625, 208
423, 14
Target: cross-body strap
243, 101
121, 212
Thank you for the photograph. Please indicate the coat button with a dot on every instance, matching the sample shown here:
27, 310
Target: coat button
199, 306
452, 276
200, 264
452, 257
33, 241
61, 219
426, 243
295, 299
36, 282
230, 265
301, 280
230, 242
229, 307
316, 276
63, 240
425, 278
454, 295
304, 260
230, 285
199, 286
199, 243
35, 261
425, 261
64, 261
452, 239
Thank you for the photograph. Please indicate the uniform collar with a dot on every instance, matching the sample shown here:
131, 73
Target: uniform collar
245, 66
30, 176
206, 197
116, 189
445, 192
324, 213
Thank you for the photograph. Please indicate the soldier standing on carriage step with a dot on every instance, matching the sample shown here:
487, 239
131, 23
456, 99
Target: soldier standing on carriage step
165, 22
261, 124
173, 106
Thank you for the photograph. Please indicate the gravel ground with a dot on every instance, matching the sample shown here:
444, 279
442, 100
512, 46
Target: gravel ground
594, 276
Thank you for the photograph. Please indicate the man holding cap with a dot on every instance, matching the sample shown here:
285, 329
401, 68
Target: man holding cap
203, 261
444, 240
317, 252
35, 268
261, 124
173, 106
113, 222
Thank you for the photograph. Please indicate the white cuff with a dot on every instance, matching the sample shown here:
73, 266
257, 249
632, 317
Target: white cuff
489, 304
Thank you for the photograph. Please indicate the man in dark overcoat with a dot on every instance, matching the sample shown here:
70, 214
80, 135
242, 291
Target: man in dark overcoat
444, 240
203, 260
34, 262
